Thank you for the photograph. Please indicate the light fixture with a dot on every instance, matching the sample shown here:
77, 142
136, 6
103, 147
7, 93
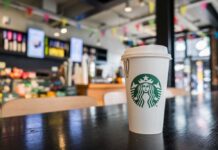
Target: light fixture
63, 30
127, 8
56, 34
142, 3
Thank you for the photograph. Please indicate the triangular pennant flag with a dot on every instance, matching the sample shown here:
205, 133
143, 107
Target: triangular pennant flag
203, 6
114, 31
216, 35
137, 26
6, 3
46, 17
29, 11
151, 7
183, 10
64, 21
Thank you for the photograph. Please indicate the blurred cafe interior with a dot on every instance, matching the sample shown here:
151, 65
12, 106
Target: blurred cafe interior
62, 81
58, 49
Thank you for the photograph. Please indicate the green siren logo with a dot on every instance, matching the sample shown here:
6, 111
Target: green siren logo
146, 87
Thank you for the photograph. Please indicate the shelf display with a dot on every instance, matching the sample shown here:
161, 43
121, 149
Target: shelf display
16, 83
56, 48
13, 41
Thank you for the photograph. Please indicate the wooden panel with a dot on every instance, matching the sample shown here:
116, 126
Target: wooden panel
97, 91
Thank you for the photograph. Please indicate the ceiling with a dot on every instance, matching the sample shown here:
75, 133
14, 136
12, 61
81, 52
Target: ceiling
108, 14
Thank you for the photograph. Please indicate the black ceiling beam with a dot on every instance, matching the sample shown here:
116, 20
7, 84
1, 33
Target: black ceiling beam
97, 7
212, 15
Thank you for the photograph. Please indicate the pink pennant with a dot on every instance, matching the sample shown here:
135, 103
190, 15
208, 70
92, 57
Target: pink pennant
137, 26
204, 5
102, 33
46, 17
125, 30
175, 20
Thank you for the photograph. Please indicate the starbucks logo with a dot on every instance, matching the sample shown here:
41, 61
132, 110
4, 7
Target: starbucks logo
146, 88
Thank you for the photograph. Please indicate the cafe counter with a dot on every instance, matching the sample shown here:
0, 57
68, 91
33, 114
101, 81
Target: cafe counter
98, 91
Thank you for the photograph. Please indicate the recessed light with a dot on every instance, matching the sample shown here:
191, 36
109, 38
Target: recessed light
63, 30
56, 34
128, 9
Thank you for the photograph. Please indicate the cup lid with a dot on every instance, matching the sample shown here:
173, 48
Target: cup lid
147, 50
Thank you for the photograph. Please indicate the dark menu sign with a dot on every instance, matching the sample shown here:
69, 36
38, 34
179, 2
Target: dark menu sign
56, 48
13, 41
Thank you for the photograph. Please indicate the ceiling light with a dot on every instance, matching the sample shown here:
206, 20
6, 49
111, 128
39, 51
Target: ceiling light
63, 30
56, 34
127, 8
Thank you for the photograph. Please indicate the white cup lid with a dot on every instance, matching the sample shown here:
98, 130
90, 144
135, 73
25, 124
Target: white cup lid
147, 50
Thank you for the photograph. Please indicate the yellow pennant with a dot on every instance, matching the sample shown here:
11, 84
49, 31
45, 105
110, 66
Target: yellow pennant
151, 6
114, 31
183, 10
64, 21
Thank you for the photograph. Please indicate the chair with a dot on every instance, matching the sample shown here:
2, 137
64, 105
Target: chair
22, 107
112, 98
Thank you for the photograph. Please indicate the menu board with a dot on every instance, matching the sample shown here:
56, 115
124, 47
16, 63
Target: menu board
56, 48
35, 43
76, 49
13, 41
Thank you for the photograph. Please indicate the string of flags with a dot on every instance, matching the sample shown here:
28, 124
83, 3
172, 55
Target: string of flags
115, 31
183, 9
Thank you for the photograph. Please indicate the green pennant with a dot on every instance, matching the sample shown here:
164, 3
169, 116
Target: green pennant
6, 3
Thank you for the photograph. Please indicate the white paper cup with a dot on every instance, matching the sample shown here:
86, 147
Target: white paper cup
146, 71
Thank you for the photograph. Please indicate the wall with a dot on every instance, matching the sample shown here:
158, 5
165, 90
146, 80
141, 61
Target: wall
21, 22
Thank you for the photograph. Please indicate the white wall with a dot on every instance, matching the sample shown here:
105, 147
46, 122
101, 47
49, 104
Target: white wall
21, 22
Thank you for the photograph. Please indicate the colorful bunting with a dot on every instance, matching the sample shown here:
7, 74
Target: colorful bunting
78, 26
114, 31
151, 22
183, 10
125, 30
6, 3
216, 35
203, 6
46, 17
138, 26
151, 7
102, 33
29, 11
175, 20
64, 21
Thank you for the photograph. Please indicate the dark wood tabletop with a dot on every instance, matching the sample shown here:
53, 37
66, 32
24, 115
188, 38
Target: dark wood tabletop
190, 123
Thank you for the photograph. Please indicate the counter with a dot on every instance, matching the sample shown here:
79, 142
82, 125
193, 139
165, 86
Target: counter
97, 91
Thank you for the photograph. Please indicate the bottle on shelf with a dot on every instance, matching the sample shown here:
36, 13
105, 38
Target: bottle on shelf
24, 45
6, 45
19, 41
14, 42
10, 38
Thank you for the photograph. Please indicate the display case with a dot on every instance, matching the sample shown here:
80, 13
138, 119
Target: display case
56, 48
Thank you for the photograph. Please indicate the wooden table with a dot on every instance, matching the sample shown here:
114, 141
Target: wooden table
190, 123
